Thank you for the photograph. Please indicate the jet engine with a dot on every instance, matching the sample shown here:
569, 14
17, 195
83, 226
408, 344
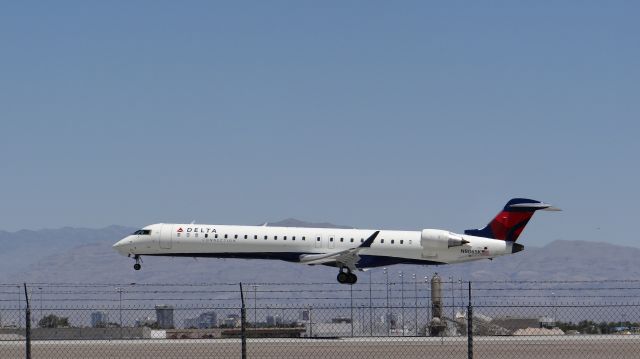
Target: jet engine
439, 239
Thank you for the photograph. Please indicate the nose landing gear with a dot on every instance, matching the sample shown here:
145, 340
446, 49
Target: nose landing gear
137, 266
346, 277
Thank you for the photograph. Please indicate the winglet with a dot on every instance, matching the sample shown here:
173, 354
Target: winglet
369, 240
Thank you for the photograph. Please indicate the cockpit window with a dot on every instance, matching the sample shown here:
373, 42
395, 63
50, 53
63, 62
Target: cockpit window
144, 232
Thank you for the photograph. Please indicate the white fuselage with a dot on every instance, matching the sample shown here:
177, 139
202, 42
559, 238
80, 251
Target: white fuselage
290, 243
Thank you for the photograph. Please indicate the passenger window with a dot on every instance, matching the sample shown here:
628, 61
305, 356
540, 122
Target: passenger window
303, 238
245, 236
351, 240
393, 241
216, 235
285, 238
206, 235
235, 237
331, 239
255, 236
361, 240
382, 240
265, 238
275, 238
293, 238
402, 241
341, 239
410, 241
226, 236
318, 239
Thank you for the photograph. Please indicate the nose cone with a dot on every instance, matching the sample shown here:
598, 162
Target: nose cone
123, 246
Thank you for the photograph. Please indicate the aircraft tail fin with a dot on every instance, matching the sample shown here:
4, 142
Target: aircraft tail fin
510, 222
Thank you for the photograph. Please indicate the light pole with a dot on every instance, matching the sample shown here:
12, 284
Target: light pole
370, 308
362, 318
402, 296
351, 295
387, 319
415, 295
19, 309
255, 305
453, 300
120, 290
310, 323
461, 296
553, 296
41, 310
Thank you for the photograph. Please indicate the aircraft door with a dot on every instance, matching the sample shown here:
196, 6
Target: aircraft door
166, 234
317, 239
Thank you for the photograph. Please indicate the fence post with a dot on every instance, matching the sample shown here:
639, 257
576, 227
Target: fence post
27, 324
243, 324
469, 326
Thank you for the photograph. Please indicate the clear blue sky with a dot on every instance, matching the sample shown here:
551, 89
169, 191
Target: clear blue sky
374, 114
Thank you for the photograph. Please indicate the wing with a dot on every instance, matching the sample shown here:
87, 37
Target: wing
348, 257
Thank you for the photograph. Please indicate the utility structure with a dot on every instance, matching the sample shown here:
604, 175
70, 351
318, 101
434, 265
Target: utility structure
437, 325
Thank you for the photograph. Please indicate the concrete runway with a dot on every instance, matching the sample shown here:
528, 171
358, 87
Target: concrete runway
565, 347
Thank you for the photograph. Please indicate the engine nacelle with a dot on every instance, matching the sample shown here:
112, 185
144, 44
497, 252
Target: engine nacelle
439, 239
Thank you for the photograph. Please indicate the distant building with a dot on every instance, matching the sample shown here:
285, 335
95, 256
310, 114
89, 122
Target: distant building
190, 323
203, 321
207, 320
547, 322
99, 319
232, 320
164, 316
274, 320
304, 315
145, 322
271, 321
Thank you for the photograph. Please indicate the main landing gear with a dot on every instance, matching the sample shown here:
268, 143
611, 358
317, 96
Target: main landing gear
346, 277
137, 266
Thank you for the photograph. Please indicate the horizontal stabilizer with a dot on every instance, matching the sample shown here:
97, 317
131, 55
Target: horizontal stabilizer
535, 206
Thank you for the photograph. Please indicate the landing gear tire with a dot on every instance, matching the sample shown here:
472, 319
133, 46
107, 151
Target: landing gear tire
137, 266
343, 278
346, 277
352, 278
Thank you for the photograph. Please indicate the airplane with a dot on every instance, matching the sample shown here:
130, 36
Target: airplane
349, 250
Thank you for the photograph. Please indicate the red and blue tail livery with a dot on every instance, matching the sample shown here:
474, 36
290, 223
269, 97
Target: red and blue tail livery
509, 223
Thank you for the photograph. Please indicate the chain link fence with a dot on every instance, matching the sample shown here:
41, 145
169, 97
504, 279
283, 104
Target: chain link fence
372, 319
